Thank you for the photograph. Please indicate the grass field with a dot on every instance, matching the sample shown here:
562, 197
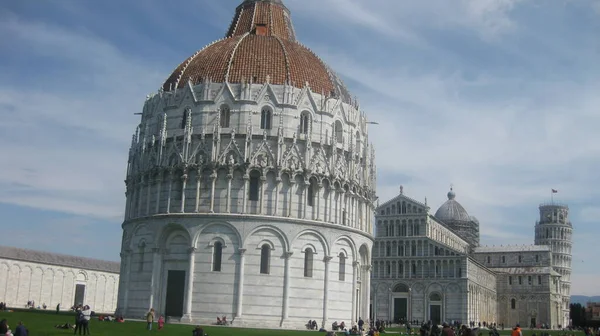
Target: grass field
41, 323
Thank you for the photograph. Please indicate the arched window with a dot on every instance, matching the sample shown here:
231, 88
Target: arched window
254, 189
186, 113
265, 256
308, 262
305, 122
342, 270
339, 132
266, 117
513, 304
217, 256
225, 115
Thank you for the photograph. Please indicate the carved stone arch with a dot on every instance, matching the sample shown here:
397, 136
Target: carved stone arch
166, 234
84, 276
350, 242
365, 254
196, 235
318, 235
218, 239
267, 242
435, 296
400, 287
279, 233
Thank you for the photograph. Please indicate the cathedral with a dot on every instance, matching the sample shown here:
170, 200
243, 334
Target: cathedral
250, 186
431, 267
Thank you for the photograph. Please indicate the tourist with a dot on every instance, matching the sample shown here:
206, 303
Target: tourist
57, 308
161, 322
150, 318
86, 314
78, 320
516, 331
198, 331
21, 330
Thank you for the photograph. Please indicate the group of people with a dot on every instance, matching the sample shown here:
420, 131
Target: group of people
150, 320
20, 330
83, 314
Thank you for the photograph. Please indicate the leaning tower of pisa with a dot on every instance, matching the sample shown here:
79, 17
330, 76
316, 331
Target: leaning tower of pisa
555, 230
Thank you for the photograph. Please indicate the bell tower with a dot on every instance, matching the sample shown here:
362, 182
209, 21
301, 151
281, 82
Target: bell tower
555, 230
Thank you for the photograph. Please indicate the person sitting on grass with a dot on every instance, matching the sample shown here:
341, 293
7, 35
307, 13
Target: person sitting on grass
21, 330
198, 331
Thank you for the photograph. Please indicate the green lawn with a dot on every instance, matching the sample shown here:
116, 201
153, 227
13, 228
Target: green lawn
42, 324
506, 331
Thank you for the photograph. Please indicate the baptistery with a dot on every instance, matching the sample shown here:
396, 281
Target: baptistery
250, 186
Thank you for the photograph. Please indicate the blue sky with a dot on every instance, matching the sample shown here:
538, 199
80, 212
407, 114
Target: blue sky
499, 97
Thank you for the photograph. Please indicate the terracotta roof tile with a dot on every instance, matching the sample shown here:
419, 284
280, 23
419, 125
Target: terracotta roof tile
254, 57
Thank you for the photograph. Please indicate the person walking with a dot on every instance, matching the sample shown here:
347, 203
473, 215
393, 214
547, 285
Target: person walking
150, 318
86, 315
516, 331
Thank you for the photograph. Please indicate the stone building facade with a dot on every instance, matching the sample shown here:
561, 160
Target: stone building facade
425, 269
52, 279
250, 186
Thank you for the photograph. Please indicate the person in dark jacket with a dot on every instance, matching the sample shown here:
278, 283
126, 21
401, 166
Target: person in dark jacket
446, 330
21, 330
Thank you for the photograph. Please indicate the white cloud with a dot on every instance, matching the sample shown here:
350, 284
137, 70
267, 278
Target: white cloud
68, 128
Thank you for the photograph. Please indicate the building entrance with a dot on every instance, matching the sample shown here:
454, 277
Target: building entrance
79, 294
435, 314
400, 309
175, 293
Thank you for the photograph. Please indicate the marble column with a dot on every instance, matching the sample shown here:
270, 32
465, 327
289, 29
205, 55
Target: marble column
148, 189
169, 194
291, 197
277, 186
189, 293
318, 195
184, 178
240, 289
305, 199
366, 291
261, 196
326, 261
228, 205
355, 280
286, 288
213, 178
245, 197
154, 279
159, 181
198, 181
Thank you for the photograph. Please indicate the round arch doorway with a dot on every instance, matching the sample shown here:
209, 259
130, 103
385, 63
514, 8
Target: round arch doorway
435, 308
400, 303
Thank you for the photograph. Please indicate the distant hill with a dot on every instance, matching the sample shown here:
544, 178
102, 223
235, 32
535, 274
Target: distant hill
584, 299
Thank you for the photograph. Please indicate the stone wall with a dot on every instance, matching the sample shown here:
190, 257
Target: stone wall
22, 281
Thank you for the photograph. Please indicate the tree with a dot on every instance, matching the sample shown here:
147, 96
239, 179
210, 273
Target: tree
577, 314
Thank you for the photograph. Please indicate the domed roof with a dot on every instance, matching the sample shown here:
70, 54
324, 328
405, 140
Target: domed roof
452, 211
260, 47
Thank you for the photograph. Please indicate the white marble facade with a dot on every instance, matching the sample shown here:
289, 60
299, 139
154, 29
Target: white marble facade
53, 279
260, 195
423, 270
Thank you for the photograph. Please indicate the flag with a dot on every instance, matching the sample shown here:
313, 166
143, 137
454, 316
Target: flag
554, 191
